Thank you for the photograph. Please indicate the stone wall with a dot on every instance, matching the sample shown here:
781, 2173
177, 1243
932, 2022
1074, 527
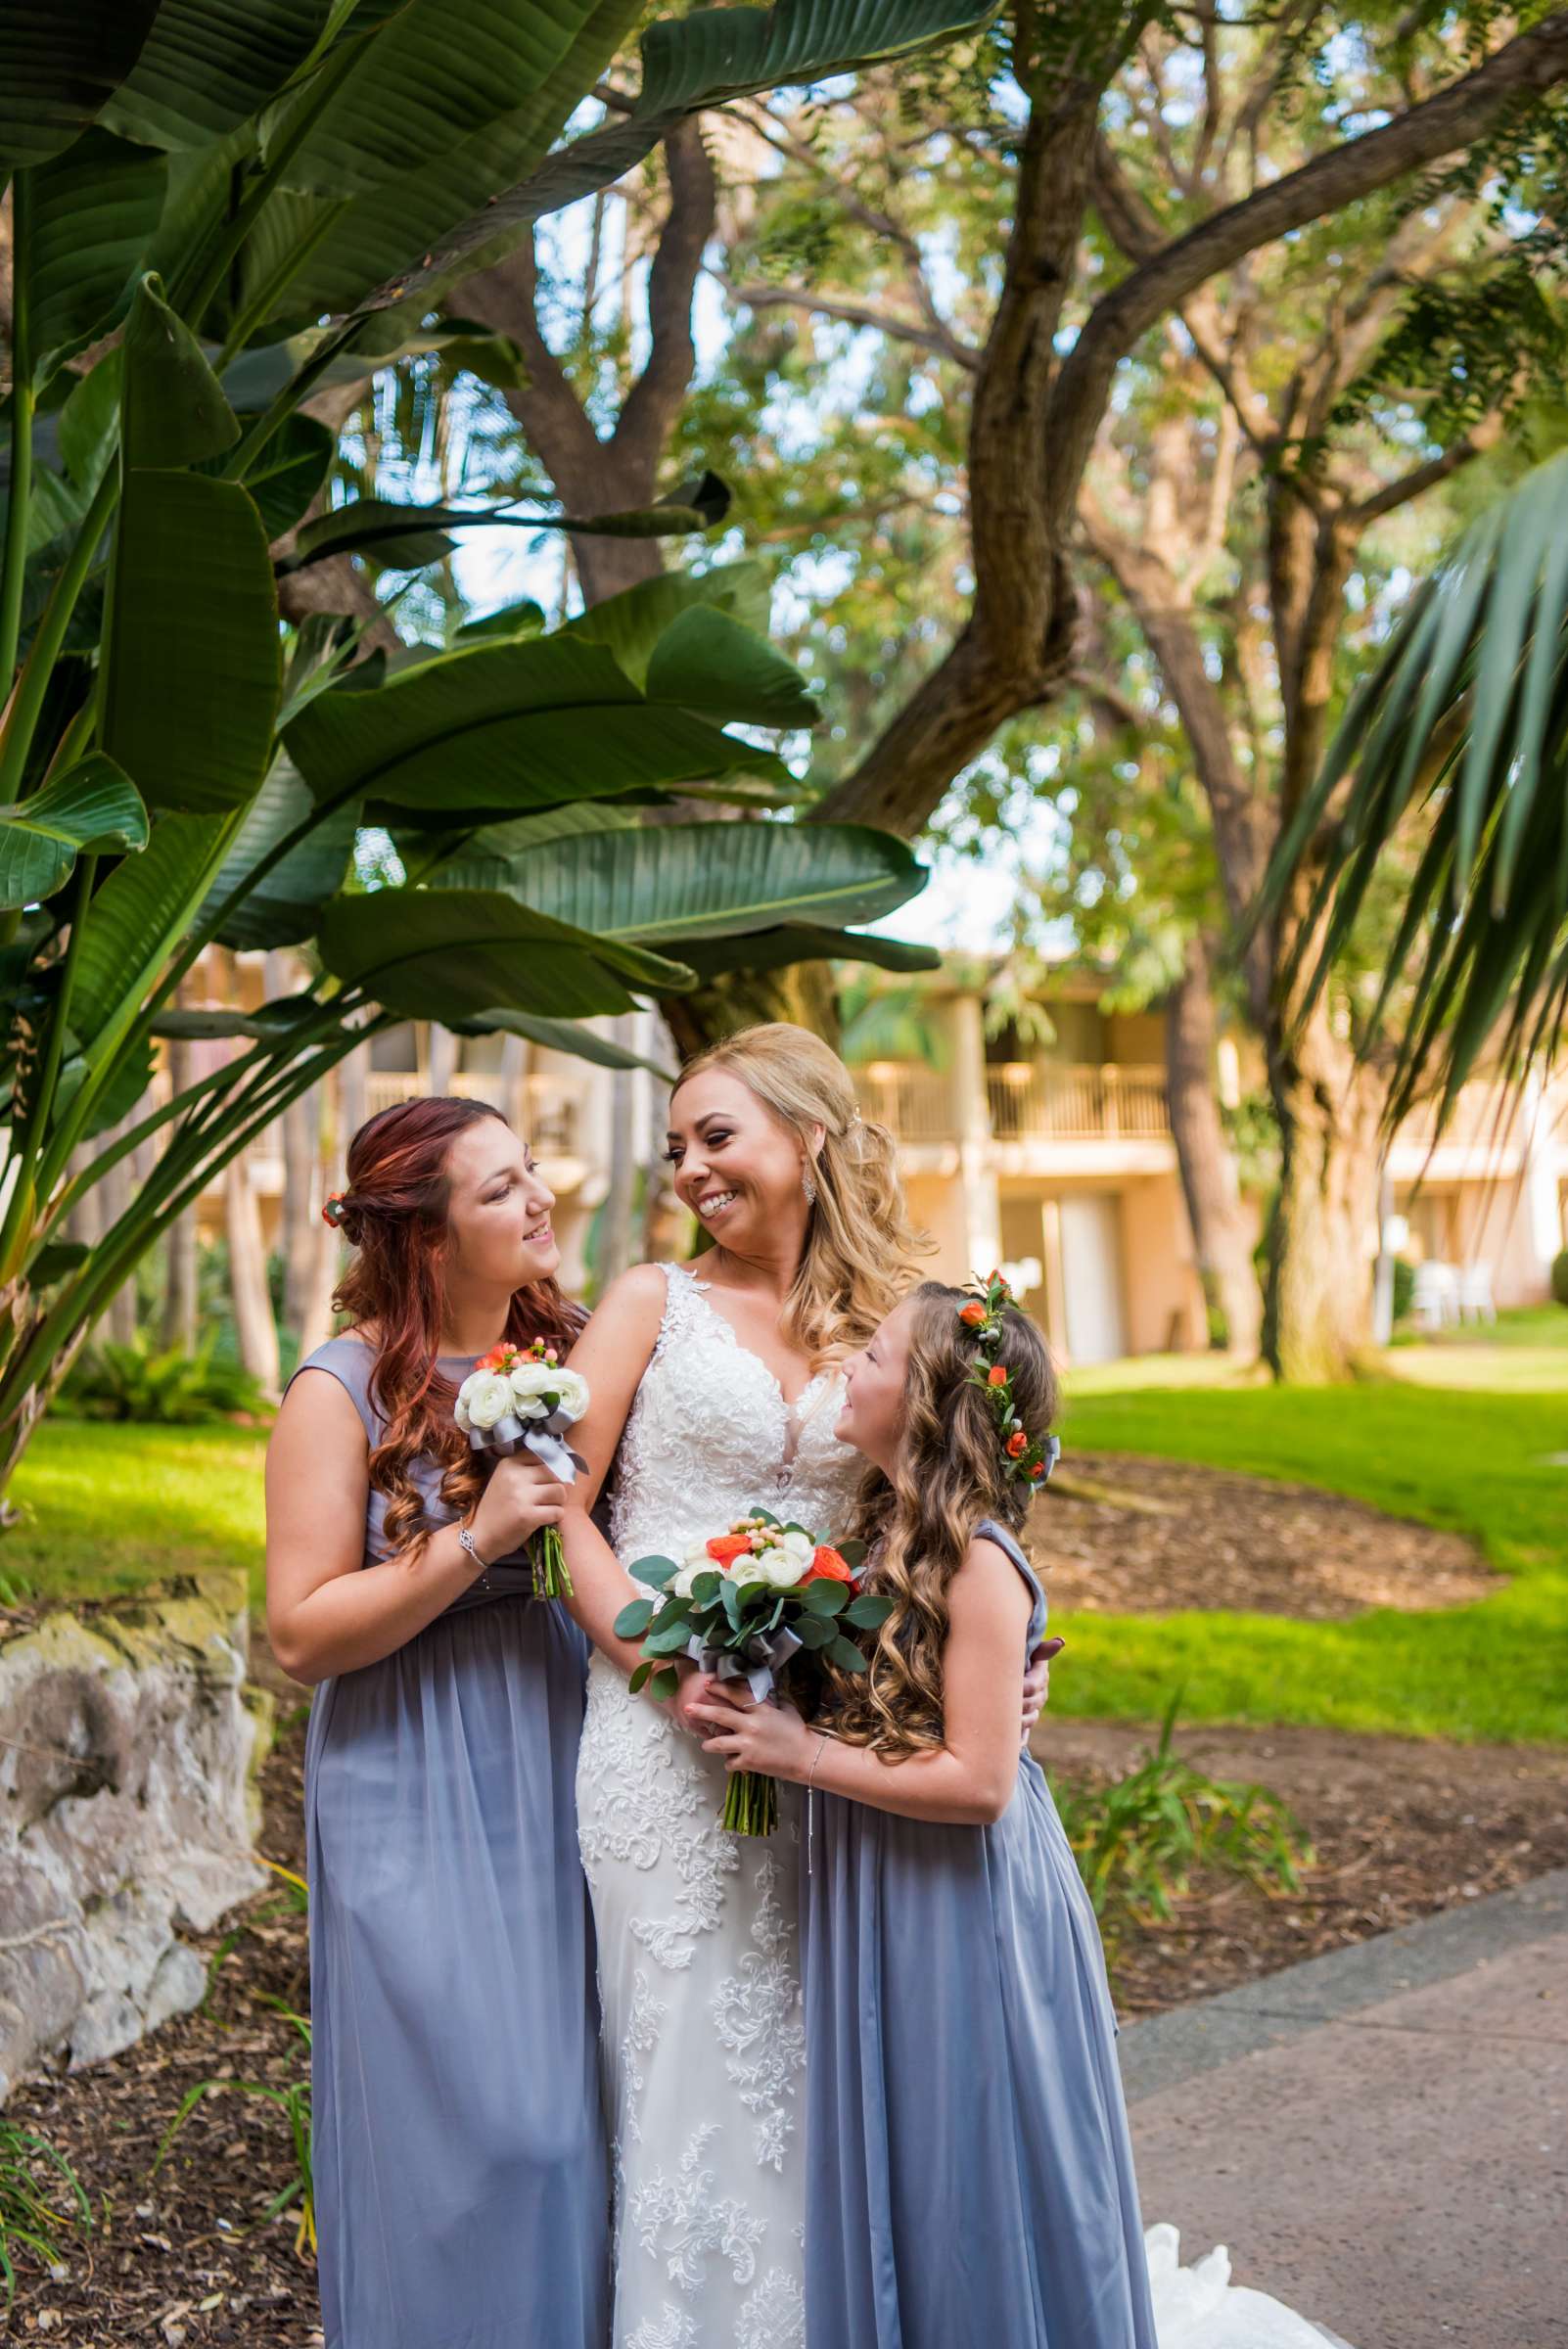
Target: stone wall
128, 1743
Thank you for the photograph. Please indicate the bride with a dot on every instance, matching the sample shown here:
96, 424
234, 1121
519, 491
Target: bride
717, 1383
716, 1389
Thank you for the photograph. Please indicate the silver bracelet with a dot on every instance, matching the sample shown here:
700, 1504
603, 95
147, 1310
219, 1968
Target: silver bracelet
815, 1759
465, 1540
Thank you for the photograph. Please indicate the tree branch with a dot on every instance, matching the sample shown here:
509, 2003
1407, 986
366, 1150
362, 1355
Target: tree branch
857, 313
654, 400
1525, 66
1421, 478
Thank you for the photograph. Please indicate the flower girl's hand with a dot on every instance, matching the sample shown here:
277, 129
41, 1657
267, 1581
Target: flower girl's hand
770, 1738
520, 1495
694, 1690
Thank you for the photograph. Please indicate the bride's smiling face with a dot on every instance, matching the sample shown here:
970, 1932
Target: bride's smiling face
736, 1166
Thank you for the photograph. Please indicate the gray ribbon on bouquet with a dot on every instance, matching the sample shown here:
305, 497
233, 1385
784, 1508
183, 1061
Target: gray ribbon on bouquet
767, 1653
544, 1438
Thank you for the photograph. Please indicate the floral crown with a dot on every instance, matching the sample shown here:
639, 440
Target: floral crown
1032, 1457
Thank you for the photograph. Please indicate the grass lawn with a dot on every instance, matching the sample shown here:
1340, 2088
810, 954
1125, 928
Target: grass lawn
1493, 1466
108, 1507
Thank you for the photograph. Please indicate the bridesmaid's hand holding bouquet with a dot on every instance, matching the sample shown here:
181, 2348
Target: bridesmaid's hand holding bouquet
745, 1605
524, 1399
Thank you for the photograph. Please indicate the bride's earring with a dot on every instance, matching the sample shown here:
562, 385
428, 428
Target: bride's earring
809, 1185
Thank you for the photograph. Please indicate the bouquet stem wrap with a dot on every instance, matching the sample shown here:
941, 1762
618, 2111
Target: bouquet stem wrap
546, 1440
751, 1799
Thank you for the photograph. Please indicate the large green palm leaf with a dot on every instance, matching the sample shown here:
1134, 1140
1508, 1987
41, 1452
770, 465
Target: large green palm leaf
1465, 721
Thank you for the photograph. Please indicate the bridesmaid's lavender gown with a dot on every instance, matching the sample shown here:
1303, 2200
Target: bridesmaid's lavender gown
460, 2163
969, 2170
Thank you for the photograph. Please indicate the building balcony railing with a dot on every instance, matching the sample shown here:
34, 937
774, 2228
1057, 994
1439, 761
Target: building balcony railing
548, 1109
1033, 1099
1027, 1101
916, 1104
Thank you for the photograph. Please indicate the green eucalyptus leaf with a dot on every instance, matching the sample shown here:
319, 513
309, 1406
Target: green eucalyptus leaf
844, 1654
634, 1620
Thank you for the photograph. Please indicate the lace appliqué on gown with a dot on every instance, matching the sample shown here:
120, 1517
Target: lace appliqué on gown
704, 2038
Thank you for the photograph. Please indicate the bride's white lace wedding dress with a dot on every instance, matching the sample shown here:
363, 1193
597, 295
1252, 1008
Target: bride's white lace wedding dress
704, 2044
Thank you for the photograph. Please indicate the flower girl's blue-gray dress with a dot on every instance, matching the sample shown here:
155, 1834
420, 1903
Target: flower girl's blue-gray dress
970, 2174
460, 2162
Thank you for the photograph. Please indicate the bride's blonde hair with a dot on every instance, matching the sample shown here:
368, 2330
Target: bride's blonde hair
861, 1246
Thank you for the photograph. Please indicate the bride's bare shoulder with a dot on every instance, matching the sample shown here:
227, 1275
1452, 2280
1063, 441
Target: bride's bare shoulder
635, 1296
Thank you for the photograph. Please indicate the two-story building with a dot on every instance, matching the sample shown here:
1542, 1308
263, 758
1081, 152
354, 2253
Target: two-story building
1056, 1160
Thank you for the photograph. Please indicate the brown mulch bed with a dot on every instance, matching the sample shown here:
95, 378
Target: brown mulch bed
1125, 1536
180, 2262
1400, 1827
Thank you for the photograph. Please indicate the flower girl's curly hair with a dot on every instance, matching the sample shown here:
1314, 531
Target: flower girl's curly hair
950, 1472
861, 1246
394, 1213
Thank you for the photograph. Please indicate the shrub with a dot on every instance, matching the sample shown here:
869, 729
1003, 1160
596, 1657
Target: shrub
1403, 1288
1139, 1840
41, 2200
168, 1388
1559, 1276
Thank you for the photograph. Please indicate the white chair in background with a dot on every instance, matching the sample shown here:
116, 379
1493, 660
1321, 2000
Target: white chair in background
1435, 1300
1475, 1293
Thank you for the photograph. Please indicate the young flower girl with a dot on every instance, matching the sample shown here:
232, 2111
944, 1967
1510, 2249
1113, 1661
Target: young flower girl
970, 2170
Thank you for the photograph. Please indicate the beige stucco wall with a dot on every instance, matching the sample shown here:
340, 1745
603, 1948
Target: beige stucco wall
1164, 1298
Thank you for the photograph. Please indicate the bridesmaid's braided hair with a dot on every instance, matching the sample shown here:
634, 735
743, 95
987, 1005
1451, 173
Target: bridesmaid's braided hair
394, 1213
950, 1472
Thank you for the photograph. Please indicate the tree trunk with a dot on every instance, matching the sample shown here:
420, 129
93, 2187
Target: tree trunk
181, 1278
1320, 1306
303, 1306
253, 1325
1220, 1239
441, 1059
115, 1194
803, 992
353, 1102
615, 1215
180, 1256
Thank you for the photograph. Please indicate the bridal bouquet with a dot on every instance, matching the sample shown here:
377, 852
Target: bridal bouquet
523, 1399
744, 1606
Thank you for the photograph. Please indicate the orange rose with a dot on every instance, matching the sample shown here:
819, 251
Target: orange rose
974, 1313
725, 1549
827, 1566
1017, 1442
999, 1377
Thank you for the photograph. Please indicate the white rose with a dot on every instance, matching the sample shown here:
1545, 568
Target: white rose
680, 1582
529, 1383
460, 1414
486, 1395
572, 1389
788, 1560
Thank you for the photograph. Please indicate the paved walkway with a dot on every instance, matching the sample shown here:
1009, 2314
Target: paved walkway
1381, 2134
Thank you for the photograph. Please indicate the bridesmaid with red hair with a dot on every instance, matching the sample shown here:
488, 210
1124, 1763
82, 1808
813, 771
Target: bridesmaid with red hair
460, 2163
